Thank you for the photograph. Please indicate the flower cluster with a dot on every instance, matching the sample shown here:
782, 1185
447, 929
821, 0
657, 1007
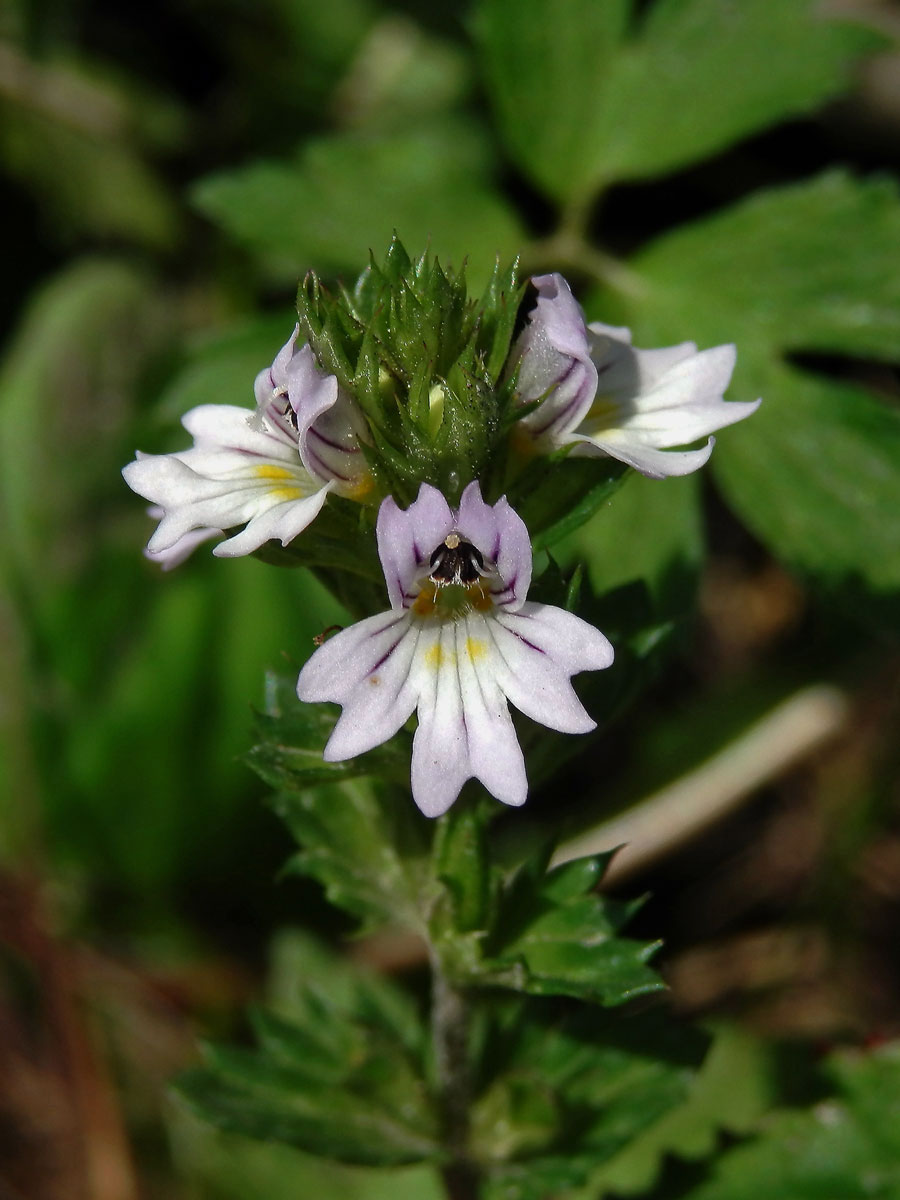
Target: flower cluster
267, 472
460, 639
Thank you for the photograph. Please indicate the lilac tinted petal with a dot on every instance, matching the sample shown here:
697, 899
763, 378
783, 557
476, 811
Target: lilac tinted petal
273, 380
440, 757
572, 643
495, 756
501, 535
624, 371
406, 539
380, 704
312, 395
555, 361
655, 464
464, 728
283, 521
227, 427
175, 554
365, 668
192, 500
535, 675
336, 669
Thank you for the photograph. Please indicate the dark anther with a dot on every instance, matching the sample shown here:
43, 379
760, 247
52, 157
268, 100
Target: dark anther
289, 415
456, 561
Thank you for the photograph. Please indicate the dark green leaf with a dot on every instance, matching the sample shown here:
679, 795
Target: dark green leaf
580, 104
555, 499
552, 934
433, 186
547, 62
846, 1147
563, 1093
292, 736
618, 547
794, 268
700, 74
338, 1074
814, 472
733, 1088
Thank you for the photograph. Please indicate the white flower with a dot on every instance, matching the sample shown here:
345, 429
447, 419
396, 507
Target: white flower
600, 395
268, 471
459, 640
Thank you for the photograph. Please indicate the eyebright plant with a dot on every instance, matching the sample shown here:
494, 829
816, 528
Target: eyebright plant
405, 383
412, 438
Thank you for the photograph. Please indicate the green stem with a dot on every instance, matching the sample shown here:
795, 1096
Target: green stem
575, 255
450, 1031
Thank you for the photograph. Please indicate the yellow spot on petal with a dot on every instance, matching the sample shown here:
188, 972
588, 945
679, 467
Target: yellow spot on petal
270, 471
374, 680
423, 605
359, 488
436, 657
475, 648
603, 414
286, 493
479, 597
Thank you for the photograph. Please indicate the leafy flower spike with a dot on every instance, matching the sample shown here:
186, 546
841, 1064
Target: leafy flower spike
460, 640
600, 395
269, 471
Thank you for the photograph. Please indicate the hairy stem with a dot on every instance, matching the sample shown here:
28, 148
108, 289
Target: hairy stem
450, 1028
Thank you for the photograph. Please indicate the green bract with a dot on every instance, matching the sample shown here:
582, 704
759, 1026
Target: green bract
425, 364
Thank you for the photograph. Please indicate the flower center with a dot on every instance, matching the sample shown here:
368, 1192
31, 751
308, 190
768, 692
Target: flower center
456, 561
456, 582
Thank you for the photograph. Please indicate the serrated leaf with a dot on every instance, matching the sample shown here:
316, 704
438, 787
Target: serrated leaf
847, 1147
433, 186
363, 840
582, 100
733, 1088
546, 62
235, 1168
700, 74
340, 1075
551, 934
793, 268
564, 1092
292, 735
461, 863
814, 472
818, 480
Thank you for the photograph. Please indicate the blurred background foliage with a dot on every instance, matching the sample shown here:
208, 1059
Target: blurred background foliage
700, 170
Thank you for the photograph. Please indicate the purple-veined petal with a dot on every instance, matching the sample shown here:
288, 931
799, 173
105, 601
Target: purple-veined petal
458, 659
554, 362
328, 435
500, 534
640, 402
220, 428
407, 538
365, 668
464, 729
655, 464
272, 381
534, 673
